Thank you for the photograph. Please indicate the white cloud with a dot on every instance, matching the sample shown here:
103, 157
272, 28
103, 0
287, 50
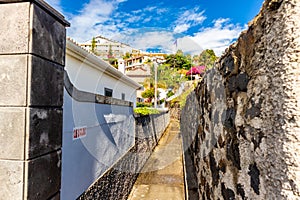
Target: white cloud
217, 37
137, 11
181, 28
132, 19
150, 8
219, 22
148, 19
164, 39
99, 17
94, 19
188, 19
161, 10
149, 38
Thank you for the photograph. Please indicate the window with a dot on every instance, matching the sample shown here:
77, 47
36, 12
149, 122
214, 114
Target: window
123, 96
108, 92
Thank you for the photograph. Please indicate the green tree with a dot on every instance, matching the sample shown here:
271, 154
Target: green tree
127, 55
170, 93
113, 61
207, 58
178, 61
179, 52
110, 54
167, 77
149, 94
195, 60
93, 47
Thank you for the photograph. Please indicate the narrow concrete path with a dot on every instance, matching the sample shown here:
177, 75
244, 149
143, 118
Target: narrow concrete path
162, 176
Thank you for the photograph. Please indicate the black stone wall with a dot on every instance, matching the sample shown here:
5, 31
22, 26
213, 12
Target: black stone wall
241, 124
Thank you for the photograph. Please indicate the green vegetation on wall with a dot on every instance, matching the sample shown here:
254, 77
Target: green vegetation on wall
145, 111
181, 100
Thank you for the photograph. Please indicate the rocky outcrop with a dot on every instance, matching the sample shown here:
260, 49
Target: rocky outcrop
247, 141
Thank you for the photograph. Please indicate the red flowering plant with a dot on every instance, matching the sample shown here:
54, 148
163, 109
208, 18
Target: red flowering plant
196, 70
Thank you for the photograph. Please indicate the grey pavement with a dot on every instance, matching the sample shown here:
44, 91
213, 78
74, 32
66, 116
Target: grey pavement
162, 176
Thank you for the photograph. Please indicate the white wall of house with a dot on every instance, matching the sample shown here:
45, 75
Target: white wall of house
121, 65
91, 74
95, 135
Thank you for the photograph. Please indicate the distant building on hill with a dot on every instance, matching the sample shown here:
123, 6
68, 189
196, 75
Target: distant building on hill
134, 63
104, 48
137, 67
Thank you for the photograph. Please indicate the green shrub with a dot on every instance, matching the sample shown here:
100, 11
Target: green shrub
143, 104
181, 100
146, 111
170, 93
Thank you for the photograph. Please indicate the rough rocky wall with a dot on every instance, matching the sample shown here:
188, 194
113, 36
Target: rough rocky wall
247, 142
117, 182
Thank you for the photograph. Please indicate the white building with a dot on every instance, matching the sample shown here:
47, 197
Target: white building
91, 74
138, 66
105, 46
98, 119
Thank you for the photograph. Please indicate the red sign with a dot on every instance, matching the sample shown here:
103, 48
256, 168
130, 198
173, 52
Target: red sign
79, 132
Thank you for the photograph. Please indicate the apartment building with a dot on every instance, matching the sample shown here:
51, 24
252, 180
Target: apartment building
105, 48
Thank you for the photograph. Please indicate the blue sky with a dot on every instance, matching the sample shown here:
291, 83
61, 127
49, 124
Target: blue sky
153, 24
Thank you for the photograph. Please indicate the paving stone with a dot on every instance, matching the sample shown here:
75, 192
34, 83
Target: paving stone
162, 174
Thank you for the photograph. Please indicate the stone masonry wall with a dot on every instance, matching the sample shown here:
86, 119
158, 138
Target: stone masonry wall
32, 59
245, 141
118, 181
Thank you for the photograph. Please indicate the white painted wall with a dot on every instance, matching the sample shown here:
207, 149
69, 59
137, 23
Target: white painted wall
110, 133
121, 65
110, 129
91, 74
